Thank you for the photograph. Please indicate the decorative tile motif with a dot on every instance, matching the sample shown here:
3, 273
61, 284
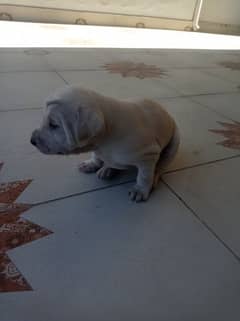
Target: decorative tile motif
10, 191
14, 231
11, 280
137, 70
231, 132
231, 65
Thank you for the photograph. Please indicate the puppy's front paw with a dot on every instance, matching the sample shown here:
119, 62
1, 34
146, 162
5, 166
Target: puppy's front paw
139, 194
88, 167
106, 172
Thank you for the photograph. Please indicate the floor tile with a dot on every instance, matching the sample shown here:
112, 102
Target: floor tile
79, 59
196, 82
87, 59
54, 177
212, 191
226, 74
174, 59
27, 89
198, 145
94, 59
110, 259
119, 87
15, 132
22, 61
225, 104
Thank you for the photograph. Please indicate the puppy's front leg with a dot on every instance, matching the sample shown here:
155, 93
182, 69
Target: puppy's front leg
91, 165
141, 191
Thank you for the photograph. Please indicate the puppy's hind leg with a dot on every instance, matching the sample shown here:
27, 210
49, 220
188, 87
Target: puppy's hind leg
167, 156
91, 165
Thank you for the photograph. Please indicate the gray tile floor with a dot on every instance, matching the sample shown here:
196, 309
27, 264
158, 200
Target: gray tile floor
176, 257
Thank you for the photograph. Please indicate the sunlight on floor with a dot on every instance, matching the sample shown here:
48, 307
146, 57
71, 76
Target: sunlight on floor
21, 34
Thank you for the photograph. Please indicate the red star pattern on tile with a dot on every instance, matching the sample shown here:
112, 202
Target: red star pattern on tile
132, 69
14, 231
231, 132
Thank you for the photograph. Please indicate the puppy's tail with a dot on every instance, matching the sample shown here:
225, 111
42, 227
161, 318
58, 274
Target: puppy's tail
167, 156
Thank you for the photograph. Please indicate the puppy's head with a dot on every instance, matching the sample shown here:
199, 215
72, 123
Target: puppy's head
72, 122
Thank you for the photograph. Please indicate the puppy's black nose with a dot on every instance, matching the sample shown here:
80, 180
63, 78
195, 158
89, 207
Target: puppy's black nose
34, 137
33, 141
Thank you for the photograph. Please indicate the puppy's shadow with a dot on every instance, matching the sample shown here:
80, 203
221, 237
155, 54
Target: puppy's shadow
181, 161
128, 175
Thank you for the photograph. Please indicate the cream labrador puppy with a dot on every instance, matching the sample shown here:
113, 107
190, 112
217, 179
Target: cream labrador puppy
119, 133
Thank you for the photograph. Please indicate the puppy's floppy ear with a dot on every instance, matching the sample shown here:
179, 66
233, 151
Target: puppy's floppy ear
64, 118
51, 101
92, 120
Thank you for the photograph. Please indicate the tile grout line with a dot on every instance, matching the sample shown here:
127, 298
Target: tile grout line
154, 98
127, 182
212, 109
50, 68
82, 193
210, 230
202, 164
19, 109
123, 183
221, 77
60, 76
202, 94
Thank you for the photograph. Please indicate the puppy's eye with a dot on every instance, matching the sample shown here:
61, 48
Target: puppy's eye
53, 125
